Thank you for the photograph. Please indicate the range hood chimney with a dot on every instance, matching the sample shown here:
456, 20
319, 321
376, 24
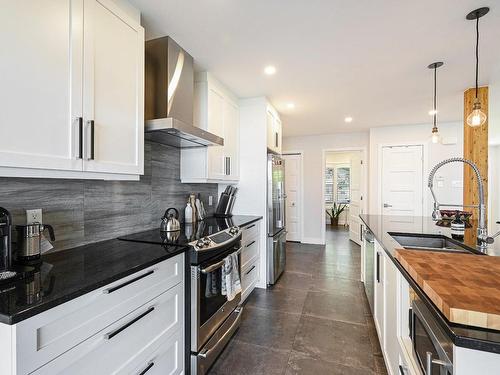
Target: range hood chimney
168, 110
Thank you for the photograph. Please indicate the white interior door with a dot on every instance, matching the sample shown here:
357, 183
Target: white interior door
113, 87
356, 203
293, 187
402, 180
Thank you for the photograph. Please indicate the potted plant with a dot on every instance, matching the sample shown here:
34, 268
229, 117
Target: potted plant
335, 212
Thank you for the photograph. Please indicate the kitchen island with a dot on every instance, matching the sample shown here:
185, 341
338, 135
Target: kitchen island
472, 350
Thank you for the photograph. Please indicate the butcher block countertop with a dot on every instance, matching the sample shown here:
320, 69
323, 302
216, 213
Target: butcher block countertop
464, 287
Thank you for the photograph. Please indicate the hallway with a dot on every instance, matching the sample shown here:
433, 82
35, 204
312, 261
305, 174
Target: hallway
316, 319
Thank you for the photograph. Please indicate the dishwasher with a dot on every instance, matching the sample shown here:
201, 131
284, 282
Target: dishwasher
369, 277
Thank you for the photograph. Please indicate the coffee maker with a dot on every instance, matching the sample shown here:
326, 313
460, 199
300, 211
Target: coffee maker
6, 271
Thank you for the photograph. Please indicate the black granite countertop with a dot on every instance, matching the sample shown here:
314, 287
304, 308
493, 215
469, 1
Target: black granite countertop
68, 274
381, 226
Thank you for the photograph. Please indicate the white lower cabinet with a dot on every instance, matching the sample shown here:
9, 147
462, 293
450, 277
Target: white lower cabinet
115, 329
122, 344
378, 308
250, 259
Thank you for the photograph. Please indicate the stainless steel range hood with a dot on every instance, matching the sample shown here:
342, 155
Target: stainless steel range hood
169, 90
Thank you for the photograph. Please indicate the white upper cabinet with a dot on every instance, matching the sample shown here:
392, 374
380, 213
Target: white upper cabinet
274, 130
73, 97
216, 111
113, 93
40, 84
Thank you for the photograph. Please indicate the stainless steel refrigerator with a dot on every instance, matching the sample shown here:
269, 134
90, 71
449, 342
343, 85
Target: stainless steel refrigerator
276, 226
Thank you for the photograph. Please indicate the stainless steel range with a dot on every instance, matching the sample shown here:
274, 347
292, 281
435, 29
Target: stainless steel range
213, 319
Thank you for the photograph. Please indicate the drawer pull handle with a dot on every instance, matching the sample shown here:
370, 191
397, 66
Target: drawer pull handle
148, 367
250, 270
250, 244
251, 226
115, 288
110, 335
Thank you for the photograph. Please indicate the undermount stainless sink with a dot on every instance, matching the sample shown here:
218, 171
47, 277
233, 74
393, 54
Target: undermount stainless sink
434, 242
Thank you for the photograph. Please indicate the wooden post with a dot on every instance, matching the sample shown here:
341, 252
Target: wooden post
476, 150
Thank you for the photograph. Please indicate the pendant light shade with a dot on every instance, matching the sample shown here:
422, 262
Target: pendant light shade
435, 131
477, 117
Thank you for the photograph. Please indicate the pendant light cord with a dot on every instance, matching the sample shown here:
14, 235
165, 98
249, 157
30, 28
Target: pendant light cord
435, 94
477, 54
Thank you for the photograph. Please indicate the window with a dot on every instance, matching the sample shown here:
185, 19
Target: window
337, 185
343, 185
329, 173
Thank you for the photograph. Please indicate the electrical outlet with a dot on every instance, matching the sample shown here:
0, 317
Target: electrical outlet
34, 216
210, 200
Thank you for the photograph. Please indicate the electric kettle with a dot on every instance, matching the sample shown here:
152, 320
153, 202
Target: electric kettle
170, 221
29, 241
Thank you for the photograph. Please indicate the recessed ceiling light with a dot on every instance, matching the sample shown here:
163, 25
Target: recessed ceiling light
290, 105
432, 112
348, 119
270, 70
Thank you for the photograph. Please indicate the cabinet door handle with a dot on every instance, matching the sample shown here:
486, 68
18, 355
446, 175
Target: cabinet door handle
148, 367
80, 137
112, 334
250, 270
92, 139
250, 244
229, 165
115, 288
378, 267
251, 226
276, 139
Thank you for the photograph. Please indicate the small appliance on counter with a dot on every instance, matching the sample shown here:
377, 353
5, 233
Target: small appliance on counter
226, 202
6, 271
31, 243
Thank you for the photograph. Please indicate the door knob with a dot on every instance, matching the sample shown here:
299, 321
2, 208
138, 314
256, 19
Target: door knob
387, 205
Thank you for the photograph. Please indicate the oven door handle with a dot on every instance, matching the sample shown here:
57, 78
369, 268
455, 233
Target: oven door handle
224, 337
213, 267
429, 362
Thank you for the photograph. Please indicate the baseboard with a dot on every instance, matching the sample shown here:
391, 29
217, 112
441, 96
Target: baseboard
313, 240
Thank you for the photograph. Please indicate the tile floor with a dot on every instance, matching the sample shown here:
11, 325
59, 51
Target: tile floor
315, 320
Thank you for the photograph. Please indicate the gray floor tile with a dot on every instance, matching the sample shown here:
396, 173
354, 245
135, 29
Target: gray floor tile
334, 341
336, 305
268, 328
278, 299
240, 358
294, 280
300, 363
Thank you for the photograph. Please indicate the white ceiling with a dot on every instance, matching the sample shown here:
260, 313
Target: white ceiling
363, 58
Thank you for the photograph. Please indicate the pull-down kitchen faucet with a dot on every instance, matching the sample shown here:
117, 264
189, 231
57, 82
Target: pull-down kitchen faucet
482, 232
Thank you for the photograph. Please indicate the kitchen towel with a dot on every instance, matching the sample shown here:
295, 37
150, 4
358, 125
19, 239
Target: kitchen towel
231, 284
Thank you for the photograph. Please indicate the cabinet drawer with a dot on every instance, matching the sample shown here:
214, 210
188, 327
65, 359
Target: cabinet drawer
249, 278
128, 341
249, 231
250, 251
167, 359
51, 333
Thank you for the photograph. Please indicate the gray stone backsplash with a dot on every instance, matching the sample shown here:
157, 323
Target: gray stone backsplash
85, 211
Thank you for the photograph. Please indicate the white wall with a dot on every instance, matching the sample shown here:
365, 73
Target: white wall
451, 133
312, 153
494, 156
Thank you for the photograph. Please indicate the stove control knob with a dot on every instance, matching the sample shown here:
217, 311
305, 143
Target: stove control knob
233, 230
206, 241
200, 244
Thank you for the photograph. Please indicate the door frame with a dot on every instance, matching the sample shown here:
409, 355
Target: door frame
364, 187
425, 170
301, 184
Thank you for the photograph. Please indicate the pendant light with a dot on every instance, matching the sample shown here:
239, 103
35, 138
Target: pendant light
435, 132
477, 117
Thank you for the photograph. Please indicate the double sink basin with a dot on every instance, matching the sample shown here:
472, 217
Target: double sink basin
432, 242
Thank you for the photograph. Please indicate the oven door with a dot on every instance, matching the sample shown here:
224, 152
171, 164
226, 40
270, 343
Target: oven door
209, 307
432, 348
